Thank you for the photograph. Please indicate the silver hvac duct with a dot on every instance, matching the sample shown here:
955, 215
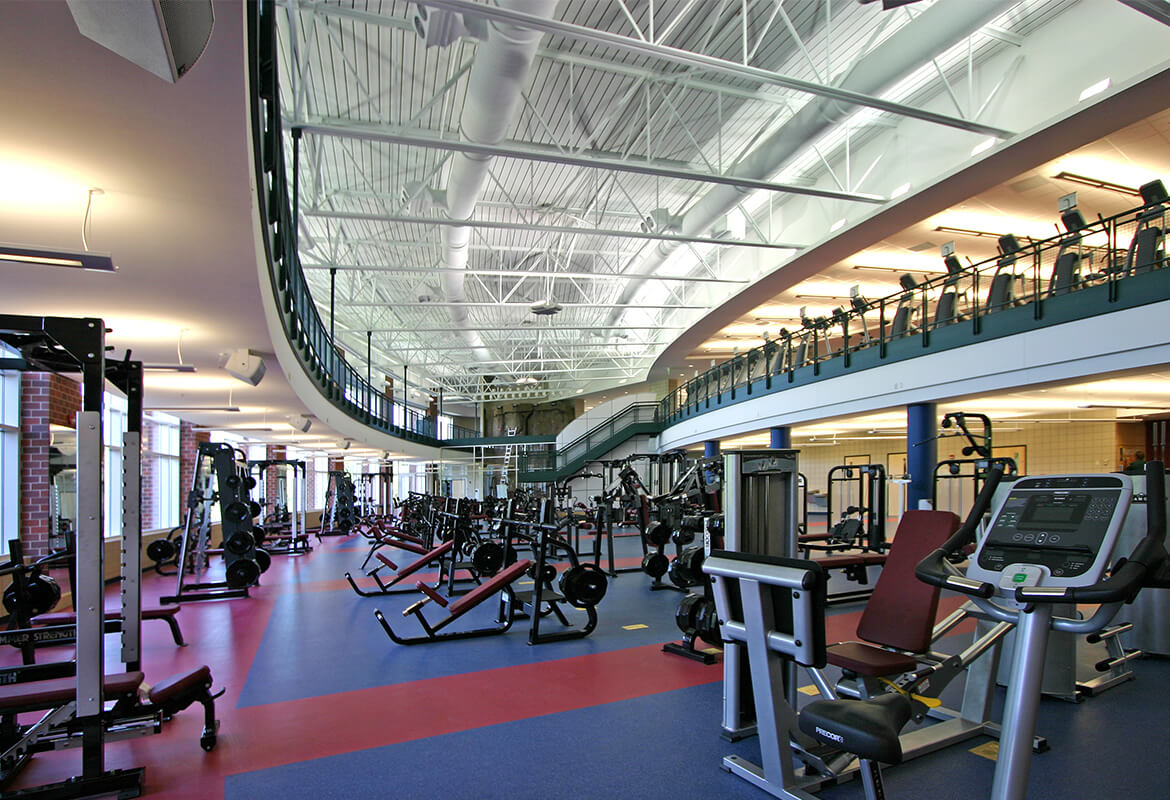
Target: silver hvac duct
930, 33
498, 75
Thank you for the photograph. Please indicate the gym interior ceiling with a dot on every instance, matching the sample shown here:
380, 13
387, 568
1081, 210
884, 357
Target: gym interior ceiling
605, 201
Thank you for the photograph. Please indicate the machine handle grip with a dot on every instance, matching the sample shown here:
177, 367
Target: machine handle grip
932, 570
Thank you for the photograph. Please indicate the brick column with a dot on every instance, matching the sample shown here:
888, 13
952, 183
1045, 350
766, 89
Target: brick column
150, 519
272, 452
45, 399
188, 454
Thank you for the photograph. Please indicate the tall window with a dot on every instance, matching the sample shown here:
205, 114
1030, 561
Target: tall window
9, 455
164, 455
113, 429
320, 465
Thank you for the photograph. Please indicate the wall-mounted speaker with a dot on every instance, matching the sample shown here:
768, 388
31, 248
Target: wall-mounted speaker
165, 37
246, 365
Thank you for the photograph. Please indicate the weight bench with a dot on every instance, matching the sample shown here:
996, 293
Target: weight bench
411, 544
501, 582
128, 717
406, 571
113, 621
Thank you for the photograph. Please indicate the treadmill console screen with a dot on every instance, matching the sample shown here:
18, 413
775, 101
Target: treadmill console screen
1066, 523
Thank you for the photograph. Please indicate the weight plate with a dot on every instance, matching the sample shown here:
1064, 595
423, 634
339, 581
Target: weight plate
236, 512
655, 564
263, 559
487, 558
161, 550
242, 573
658, 534
684, 618
259, 534
707, 623
584, 585
249, 482
239, 543
254, 507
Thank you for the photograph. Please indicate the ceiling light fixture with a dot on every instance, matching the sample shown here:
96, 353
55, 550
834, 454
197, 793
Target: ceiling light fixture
1096, 88
968, 232
169, 367
821, 297
900, 270
983, 146
1097, 183
232, 409
23, 254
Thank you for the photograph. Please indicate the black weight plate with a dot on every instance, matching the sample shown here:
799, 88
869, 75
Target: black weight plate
263, 559
655, 564
259, 534
690, 565
707, 623
43, 594
239, 543
684, 618
677, 575
249, 482
254, 507
232, 482
161, 550
242, 573
487, 558
584, 585
547, 575
658, 534
236, 512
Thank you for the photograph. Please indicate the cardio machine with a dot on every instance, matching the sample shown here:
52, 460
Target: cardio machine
1047, 544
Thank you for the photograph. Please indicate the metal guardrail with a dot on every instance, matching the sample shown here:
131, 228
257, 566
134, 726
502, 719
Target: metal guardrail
599, 436
277, 202
1070, 276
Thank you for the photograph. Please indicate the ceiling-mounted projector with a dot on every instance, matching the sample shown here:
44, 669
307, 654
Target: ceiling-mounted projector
243, 364
546, 308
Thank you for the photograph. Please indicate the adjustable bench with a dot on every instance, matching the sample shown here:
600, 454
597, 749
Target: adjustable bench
113, 621
128, 717
501, 582
384, 588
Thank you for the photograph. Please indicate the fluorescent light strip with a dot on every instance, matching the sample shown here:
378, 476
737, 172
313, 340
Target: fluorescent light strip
233, 409
88, 260
1098, 183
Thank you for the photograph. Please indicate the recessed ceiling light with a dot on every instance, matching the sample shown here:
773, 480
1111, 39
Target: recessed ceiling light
579, 391
838, 225
901, 190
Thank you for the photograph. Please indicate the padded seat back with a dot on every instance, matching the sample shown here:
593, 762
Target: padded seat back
1001, 293
901, 611
901, 324
1143, 250
945, 312
1064, 273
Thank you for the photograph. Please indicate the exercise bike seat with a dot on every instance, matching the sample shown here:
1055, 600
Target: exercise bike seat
866, 728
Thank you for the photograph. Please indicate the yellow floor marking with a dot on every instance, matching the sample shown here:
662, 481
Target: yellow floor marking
810, 690
988, 750
712, 650
637, 627
525, 583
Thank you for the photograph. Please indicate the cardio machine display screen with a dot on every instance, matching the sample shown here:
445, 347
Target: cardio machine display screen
1047, 512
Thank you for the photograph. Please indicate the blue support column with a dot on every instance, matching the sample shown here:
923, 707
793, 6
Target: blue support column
710, 449
921, 451
781, 438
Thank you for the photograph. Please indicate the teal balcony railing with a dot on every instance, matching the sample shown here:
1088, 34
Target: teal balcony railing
1108, 265
316, 350
550, 464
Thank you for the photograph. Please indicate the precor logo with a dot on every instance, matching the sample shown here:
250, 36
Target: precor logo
836, 737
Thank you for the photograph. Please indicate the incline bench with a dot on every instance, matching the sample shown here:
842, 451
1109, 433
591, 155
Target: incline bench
502, 581
423, 560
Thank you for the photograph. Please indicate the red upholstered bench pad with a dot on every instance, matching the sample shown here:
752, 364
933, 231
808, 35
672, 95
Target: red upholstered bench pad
497, 583
176, 684
867, 660
59, 691
427, 558
851, 560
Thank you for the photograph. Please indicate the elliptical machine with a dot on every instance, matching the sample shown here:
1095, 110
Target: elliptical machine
1048, 544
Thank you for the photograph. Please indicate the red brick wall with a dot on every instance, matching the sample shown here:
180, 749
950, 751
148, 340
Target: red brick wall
150, 519
44, 399
272, 452
188, 453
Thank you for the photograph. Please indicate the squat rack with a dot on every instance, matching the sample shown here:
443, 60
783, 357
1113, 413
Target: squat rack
61, 345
